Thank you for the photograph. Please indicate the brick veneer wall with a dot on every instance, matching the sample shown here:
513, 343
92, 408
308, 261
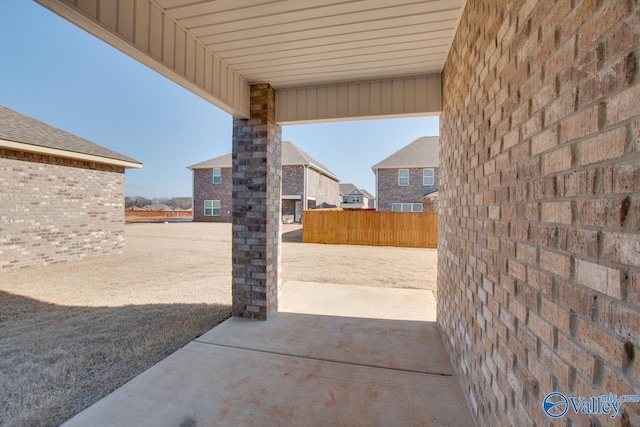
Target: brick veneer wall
54, 209
257, 180
205, 189
323, 188
390, 192
292, 180
539, 249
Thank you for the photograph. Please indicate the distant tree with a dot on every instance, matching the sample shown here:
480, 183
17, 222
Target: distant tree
129, 202
141, 202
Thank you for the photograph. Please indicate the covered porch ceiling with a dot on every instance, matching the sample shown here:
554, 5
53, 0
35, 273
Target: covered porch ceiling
327, 59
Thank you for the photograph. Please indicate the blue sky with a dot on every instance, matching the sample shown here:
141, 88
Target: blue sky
59, 74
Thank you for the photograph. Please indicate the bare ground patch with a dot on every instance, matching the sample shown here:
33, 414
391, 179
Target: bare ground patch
70, 333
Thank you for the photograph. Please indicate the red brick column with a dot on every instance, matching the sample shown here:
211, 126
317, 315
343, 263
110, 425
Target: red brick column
257, 176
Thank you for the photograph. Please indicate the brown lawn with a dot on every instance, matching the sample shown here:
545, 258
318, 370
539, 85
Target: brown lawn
70, 333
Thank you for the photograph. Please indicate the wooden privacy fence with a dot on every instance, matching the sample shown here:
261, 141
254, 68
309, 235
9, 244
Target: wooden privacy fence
361, 227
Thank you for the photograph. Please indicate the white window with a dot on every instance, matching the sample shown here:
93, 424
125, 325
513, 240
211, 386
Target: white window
406, 207
403, 177
428, 177
212, 208
217, 175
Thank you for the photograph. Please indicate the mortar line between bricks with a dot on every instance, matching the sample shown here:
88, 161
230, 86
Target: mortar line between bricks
325, 360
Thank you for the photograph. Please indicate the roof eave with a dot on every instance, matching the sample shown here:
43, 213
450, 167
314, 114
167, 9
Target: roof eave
37, 149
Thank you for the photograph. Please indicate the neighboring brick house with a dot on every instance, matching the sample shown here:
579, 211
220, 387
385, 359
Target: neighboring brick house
407, 180
61, 196
306, 184
352, 197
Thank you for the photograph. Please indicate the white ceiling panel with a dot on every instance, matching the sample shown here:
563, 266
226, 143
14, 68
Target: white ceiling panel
217, 48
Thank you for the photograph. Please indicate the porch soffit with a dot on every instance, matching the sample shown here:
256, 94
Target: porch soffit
327, 59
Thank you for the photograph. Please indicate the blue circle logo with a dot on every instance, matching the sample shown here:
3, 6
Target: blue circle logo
555, 404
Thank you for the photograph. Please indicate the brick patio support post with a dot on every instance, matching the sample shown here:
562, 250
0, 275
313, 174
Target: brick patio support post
257, 176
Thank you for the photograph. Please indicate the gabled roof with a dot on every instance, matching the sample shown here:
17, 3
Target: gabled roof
292, 155
223, 161
421, 153
348, 188
22, 133
366, 194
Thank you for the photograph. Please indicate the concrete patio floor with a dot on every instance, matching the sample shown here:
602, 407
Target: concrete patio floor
333, 355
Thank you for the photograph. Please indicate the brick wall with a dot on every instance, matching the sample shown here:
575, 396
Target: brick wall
323, 188
54, 209
539, 243
205, 189
257, 187
292, 180
390, 192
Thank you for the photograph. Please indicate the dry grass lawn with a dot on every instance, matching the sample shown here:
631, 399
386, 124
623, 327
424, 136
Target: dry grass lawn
70, 333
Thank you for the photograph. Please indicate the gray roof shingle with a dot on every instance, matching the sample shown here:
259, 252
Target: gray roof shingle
292, 155
16, 127
421, 153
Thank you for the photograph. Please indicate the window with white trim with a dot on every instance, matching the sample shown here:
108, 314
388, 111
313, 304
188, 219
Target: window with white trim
403, 177
212, 208
406, 207
217, 175
428, 177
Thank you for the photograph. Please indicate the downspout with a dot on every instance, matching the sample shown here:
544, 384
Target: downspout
193, 195
304, 189
375, 202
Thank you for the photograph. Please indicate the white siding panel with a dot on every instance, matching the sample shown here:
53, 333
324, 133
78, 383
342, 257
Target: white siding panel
321, 103
409, 95
208, 71
108, 14
332, 102
434, 94
190, 61
292, 105
343, 101
397, 96
375, 99
301, 102
224, 83
142, 25
312, 96
386, 97
230, 86
364, 100
421, 94
200, 65
169, 42
155, 32
180, 50
216, 76
126, 15
281, 101
89, 7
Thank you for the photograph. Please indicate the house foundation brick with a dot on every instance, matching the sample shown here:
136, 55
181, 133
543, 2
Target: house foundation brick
539, 246
257, 177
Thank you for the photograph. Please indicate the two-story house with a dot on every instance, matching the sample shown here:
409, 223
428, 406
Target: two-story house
407, 180
352, 197
306, 184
